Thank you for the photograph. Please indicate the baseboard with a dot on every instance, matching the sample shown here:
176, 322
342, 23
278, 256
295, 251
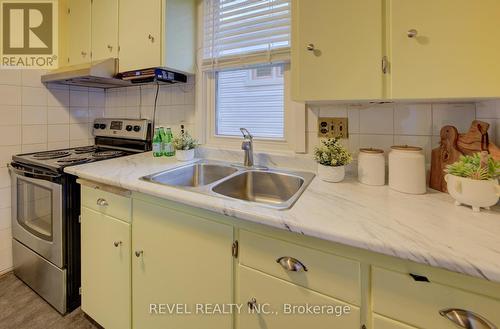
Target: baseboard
6, 271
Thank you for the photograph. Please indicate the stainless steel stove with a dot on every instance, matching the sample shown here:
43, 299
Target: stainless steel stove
46, 208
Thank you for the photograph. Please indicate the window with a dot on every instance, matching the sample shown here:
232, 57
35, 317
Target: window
251, 98
246, 45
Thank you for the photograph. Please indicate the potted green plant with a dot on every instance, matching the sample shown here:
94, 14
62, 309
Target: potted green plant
184, 146
473, 180
332, 157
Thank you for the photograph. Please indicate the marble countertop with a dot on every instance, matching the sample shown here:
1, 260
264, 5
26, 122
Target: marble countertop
427, 229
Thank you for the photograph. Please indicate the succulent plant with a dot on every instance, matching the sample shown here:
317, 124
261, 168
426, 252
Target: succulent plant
332, 153
476, 166
184, 141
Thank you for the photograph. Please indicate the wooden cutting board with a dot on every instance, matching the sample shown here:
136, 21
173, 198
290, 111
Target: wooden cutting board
447, 153
453, 145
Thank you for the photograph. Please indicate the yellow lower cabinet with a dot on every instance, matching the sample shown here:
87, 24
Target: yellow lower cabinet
182, 266
271, 303
106, 246
419, 303
380, 322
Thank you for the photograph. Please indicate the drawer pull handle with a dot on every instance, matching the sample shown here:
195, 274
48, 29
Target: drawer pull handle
102, 202
117, 243
252, 303
291, 264
139, 253
466, 319
419, 278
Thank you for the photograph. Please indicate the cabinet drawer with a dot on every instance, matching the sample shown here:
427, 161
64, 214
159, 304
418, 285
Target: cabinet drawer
272, 298
400, 297
108, 203
380, 322
331, 275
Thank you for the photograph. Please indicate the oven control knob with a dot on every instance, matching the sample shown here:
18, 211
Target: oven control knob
102, 126
128, 128
96, 126
137, 128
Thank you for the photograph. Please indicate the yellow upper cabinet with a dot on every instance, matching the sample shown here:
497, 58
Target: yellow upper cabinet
444, 49
157, 33
104, 29
140, 34
337, 49
78, 35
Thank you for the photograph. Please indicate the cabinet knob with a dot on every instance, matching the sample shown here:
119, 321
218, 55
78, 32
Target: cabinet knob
291, 264
310, 47
110, 47
102, 202
252, 303
117, 243
84, 53
466, 319
412, 33
139, 253
150, 37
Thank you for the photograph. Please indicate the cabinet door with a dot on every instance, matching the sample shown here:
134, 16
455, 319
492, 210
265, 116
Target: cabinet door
79, 20
337, 49
183, 260
272, 300
140, 34
106, 247
451, 51
104, 29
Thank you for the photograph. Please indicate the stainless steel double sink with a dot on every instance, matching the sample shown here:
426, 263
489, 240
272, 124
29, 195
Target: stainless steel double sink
273, 188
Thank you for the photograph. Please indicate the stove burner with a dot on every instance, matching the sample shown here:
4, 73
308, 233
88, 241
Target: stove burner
50, 155
72, 160
85, 149
107, 154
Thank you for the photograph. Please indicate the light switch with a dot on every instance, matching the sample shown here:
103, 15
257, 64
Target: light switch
333, 128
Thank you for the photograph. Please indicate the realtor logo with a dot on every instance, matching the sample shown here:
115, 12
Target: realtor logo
29, 34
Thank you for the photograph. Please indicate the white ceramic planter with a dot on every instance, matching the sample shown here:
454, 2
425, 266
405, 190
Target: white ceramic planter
184, 155
331, 174
476, 193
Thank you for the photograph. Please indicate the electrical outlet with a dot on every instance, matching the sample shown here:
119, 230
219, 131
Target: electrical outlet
333, 128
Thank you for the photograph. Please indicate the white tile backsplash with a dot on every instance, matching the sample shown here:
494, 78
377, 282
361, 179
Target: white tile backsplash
175, 104
10, 95
377, 119
413, 119
10, 77
34, 134
488, 109
417, 124
458, 115
58, 97
34, 96
78, 97
34, 115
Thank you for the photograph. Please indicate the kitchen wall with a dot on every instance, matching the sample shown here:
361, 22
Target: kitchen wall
175, 104
36, 118
381, 126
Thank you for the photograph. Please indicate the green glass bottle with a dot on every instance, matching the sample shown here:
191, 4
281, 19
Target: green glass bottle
169, 146
163, 138
157, 142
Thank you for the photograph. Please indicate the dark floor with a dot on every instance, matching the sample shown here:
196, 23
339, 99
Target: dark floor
21, 308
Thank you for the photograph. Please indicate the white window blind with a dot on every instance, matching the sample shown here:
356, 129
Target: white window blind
246, 31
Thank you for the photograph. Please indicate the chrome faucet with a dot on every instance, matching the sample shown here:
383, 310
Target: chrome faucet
247, 146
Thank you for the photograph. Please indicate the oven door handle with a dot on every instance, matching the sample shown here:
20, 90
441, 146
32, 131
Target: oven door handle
23, 172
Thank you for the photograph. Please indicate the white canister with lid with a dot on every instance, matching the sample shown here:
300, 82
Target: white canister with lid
371, 166
407, 169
